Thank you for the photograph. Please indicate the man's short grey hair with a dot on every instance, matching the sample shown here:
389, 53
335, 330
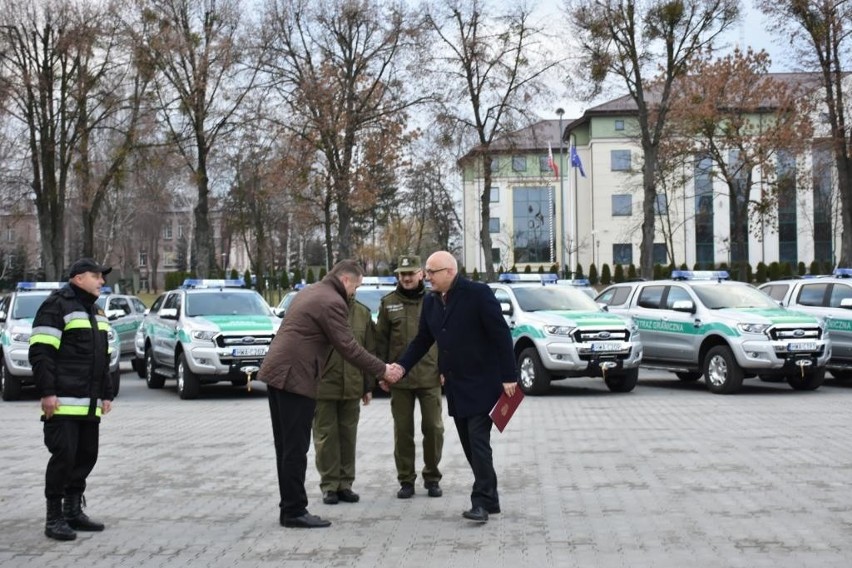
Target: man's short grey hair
349, 267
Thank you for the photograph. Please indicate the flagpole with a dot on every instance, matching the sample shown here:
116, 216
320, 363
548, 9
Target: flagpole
559, 113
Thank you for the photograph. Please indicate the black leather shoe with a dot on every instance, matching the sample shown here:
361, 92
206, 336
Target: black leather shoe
348, 496
306, 521
330, 498
477, 514
406, 491
433, 489
495, 510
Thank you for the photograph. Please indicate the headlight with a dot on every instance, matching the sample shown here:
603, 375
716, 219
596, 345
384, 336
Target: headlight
753, 327
21, 337
562, 330
204, 335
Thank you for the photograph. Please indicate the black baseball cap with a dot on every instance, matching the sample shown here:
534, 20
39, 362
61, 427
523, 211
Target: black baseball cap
87, 265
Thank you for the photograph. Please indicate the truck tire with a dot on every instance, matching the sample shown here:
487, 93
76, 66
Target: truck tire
721, 372
115, 378
188, 385
688, 376
623, 382
10, 385
139, 367
534, 378
153, 380
810, 381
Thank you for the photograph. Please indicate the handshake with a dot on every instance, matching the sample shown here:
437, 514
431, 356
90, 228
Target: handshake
393, 372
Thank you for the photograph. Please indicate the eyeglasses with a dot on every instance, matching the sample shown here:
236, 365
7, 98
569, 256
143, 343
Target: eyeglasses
431, 271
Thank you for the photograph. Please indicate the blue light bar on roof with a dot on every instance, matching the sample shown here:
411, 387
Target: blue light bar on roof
700, 275
106, 289
379, 280
575, 282
39, 285
509, 277
213, 283
843, 272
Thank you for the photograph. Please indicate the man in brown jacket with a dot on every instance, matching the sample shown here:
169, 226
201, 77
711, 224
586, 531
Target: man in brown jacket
316, 321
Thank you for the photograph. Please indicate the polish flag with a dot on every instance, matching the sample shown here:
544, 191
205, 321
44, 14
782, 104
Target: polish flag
550, 161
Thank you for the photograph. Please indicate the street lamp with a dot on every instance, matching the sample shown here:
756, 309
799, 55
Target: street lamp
559, 112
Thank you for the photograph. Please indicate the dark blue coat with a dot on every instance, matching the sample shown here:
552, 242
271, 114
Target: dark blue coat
474, 346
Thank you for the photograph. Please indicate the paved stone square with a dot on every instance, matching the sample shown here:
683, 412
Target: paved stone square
666, 476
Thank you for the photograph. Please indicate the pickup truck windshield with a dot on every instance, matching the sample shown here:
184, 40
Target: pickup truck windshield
27, 304
717, 297
538, 298
226, 304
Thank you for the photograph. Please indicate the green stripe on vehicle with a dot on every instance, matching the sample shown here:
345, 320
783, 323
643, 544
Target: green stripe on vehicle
684, 327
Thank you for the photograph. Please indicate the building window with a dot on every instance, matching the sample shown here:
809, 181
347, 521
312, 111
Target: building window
519, 163
167, 231
180, 231
787, 209
622, 253
544, 164
494, 224
619, 160
495, 255
619, 125
495, 164
143, 258
534, 235
661, 204
495, 194
10, 235
704, 244
622, 205
661, 253
823, 202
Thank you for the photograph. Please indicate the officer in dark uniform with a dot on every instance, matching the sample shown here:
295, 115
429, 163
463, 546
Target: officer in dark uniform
69, 356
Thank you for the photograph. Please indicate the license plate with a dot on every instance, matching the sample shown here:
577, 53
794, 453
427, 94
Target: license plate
248, 351
603, 346
805, 346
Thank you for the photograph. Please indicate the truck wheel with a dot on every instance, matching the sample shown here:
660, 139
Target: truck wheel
139, 367
116, 382
688, 377
9, 384
811, 381
154, 380
624, 382
187, 381
721, 372
535, 379
841, 374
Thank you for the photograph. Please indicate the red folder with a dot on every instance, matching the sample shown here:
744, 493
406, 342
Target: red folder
505, 408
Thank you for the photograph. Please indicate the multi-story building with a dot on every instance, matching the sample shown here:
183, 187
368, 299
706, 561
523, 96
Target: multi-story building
539, 218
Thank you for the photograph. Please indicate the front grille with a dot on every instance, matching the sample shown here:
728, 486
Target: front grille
238, 340
589, 335
798, 332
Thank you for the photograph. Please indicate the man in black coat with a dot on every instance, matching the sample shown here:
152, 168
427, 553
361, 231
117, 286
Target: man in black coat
475, 357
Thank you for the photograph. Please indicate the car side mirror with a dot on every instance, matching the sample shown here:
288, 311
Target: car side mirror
506, 308
844, 303
684, 306
279, 313
114, 314
168, 313
2, 315
604, 307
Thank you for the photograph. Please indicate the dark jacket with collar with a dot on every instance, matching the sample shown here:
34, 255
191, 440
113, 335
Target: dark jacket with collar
316, 321
69, 346
475, 352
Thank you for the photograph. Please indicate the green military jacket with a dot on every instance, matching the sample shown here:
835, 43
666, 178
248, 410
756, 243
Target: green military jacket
342, 380
399, 318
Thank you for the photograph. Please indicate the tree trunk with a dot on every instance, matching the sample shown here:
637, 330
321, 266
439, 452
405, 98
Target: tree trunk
649, 201
202, 221
485, 217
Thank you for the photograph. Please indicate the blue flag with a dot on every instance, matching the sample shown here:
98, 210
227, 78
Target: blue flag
575, 161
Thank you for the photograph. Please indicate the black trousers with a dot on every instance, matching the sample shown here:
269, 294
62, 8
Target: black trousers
292, 416
475, 435
73, 446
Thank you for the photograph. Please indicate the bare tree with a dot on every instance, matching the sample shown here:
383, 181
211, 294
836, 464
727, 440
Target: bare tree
819, 31
338, 66
490, 69
205, 70
633, 41
47, 72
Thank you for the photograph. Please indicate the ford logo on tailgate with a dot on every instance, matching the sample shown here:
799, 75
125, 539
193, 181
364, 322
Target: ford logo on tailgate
604, 335
799, 333
248, 339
